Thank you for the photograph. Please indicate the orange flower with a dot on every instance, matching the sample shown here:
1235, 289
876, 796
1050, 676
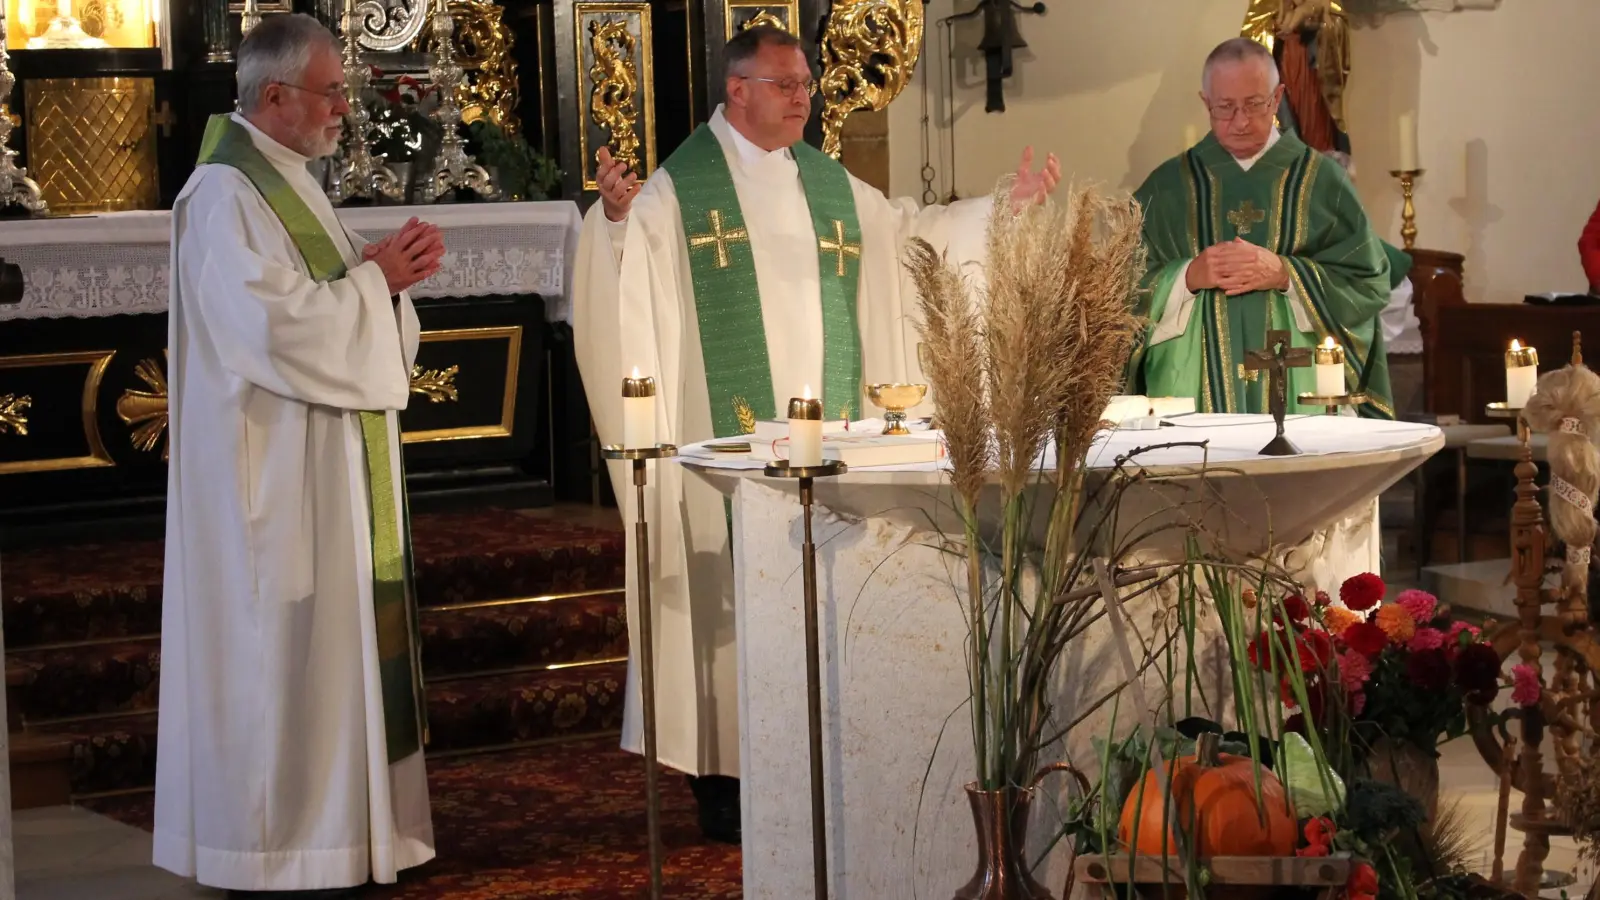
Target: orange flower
1337, 618
1396, 622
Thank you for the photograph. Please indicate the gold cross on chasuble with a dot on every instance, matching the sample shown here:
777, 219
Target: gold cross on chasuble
719, 238
837, 245
1246, 217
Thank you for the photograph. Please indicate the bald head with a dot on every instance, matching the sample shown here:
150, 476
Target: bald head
1240, 89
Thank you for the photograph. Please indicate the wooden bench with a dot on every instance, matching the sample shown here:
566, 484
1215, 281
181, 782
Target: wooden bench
41, 765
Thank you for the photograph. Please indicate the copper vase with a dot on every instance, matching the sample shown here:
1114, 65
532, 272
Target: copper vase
1001, 818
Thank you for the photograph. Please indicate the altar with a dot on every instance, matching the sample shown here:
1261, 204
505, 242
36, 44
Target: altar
893, 634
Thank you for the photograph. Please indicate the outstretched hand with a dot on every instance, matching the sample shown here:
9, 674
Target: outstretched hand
1032, 186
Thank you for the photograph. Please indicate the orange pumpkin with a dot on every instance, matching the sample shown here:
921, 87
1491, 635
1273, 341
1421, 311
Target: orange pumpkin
1217, 793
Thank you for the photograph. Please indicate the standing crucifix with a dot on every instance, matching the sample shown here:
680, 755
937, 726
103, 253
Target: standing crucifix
1277, 357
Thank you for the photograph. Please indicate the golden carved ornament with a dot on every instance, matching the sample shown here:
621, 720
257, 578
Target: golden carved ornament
764, 17
869, 50
14, 413
483, 47
438, 385
146, 411
615, 80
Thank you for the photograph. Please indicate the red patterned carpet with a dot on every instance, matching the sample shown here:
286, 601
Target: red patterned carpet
563, 822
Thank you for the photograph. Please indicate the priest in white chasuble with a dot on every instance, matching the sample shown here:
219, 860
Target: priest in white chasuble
291, 726
1252, 231
746, 270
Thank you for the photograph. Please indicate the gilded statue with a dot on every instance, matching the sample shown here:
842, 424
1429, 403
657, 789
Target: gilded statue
615, 83
1311, 41
869, 50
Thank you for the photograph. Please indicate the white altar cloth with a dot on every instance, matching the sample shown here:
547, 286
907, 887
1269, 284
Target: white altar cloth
893, 637
119, 263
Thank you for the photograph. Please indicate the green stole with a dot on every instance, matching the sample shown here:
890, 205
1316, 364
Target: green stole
727, 296
227, 143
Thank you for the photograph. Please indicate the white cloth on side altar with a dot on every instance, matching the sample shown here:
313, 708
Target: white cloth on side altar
272, 770
634, 307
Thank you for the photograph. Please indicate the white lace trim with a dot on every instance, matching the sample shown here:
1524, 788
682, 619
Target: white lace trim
119, 263
1569, 492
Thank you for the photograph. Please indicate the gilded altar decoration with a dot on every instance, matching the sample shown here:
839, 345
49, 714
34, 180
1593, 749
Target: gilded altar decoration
92, 143
483, 47
453, 168
16, 188
869, 50
146, 411
763, 19
741, 15
1311, 41
353, 171
438, 385
616, 82
14, 414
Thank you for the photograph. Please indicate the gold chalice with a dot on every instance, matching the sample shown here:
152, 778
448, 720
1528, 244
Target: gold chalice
894, 400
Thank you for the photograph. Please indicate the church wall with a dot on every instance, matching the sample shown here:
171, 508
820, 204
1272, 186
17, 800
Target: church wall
1505, 124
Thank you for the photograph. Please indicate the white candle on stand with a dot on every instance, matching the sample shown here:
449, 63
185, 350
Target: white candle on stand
1191, 136
805, 431
1522, 374
1408, 142
1329, 359
638, 412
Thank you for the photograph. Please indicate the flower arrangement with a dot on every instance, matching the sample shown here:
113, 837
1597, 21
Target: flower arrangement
1401, 671
400, 127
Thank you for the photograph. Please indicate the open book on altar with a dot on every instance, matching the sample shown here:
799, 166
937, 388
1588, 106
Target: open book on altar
1136, 406
861, 448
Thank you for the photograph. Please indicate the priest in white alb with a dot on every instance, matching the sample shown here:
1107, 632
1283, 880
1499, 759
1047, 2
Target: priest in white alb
291, 729
750, 268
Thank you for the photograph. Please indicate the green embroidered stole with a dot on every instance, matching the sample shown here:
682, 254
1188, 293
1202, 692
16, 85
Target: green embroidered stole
727, 296
227, 143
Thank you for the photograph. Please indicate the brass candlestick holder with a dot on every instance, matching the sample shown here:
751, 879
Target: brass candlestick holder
640, 457
1332, 404
1408, 212
16, 188
355, 172
807, 476
894, 400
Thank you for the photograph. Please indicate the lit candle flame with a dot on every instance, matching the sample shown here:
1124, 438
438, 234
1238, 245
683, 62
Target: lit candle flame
1515, 345
1329, 344
807, 393
635, 371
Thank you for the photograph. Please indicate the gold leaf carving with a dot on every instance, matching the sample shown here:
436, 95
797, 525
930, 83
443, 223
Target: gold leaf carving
146, 411
14, 413
869, 51
438, 385
483, 46
764, 17
615, 79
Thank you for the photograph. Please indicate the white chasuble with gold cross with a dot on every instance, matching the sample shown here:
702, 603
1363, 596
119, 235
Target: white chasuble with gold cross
634, 306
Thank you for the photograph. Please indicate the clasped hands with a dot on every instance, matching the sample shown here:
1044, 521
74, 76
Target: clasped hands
408, 256
1237, 267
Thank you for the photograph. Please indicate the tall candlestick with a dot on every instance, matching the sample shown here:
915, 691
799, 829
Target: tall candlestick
1522, 374
638, 412
1329, 359
1408, 142
805, 431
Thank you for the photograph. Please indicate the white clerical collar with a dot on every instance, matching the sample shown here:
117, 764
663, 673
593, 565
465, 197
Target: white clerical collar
271, 149
748, 152
1272, 138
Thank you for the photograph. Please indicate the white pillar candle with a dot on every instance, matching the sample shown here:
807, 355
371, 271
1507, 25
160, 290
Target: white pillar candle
1329, 360
1408, 142
1522, 374
1191, 136
638, 412
805, 431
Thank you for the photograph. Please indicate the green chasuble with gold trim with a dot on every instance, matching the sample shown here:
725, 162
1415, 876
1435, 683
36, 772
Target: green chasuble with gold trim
727, 297
226, 142
1299, 204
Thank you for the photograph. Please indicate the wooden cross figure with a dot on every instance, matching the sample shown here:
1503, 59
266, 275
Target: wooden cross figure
1277, 358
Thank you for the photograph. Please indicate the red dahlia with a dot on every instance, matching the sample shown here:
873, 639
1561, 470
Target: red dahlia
1362, 592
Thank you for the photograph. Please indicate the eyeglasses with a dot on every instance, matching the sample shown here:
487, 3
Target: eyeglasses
1252, 109
787, 86
332, 95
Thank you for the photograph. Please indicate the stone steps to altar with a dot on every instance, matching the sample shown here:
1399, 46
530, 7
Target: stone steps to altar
523, 628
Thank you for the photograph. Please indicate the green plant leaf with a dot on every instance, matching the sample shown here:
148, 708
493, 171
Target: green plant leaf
1309, 780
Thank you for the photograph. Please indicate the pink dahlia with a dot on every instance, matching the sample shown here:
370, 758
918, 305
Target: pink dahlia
1525, 688
1354, 670
1420, 604
1427, 639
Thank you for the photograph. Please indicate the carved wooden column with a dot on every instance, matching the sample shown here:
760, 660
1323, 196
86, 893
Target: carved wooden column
1527, 572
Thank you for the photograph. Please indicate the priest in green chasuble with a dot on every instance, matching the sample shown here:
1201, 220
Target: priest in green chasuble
747, 270
1252, 231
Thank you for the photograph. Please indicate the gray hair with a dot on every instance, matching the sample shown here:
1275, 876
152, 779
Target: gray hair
1238, 50
278, 50
744, 46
